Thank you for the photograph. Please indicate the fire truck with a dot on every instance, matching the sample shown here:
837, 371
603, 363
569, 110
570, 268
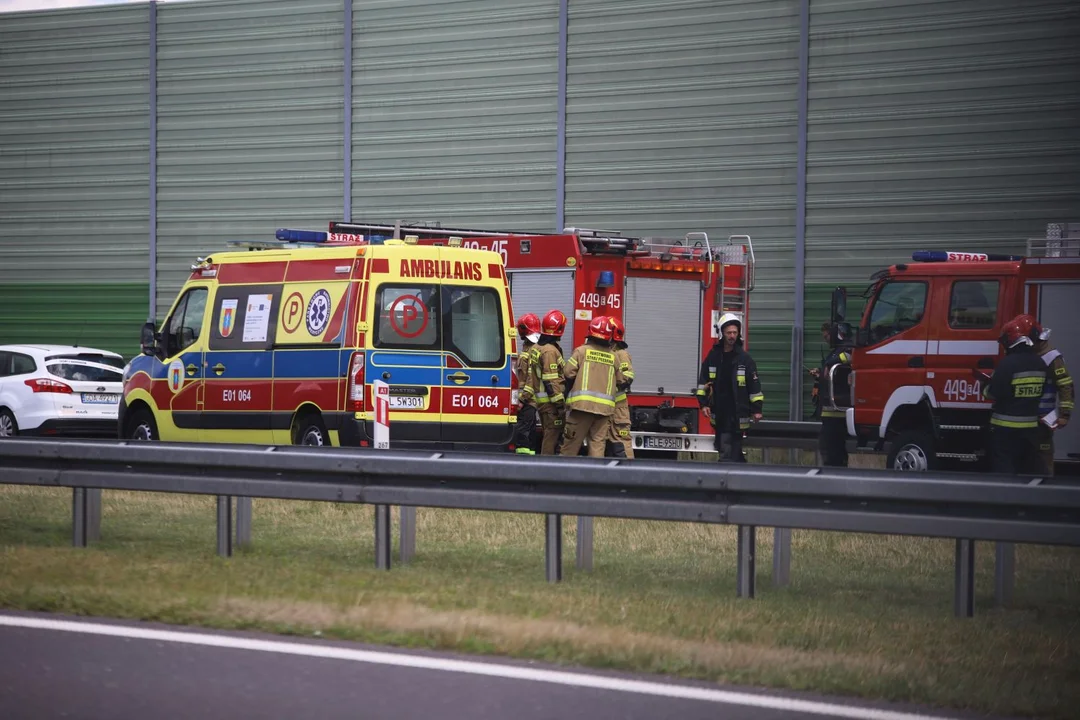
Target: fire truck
668, 292
927, 328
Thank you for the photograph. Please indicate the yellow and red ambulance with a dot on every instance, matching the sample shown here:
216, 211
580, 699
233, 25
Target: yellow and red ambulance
279, 343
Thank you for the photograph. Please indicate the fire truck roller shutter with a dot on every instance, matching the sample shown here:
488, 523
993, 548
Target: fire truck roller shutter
1057, 311
663, 328
538, 291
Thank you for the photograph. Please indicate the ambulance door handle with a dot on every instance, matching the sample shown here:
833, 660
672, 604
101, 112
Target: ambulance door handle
494, 379
916, 362
218, 369
386, 376
191, 370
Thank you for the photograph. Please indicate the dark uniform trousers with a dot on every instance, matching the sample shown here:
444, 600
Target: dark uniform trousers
1015, 451
728, 440
832, 442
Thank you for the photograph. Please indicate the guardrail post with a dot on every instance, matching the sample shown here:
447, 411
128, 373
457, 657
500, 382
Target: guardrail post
78, 517
964, 605
224, 525
382, 537
744, 578
553, 546
93, 514
781, 557
584, 542
1004, 573
243, 521
407, 547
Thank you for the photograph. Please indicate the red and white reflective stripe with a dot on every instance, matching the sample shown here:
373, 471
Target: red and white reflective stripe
382, 409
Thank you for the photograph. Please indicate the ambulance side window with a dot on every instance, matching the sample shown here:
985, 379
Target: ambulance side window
408, 317
245, 318
899, 306
475, 325
973, 305
185, 325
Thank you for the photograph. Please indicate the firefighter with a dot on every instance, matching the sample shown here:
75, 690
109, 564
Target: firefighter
619, 443
1057, 394
592, 376
549, 393
815, 393
735, 398
1016, 389
832, 441
528, 327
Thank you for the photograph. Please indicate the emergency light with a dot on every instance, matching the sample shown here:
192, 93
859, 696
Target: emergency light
606, 279
315, 236
953, 256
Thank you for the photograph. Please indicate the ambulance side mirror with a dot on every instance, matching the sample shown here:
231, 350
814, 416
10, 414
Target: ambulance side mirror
148, 339
838, 310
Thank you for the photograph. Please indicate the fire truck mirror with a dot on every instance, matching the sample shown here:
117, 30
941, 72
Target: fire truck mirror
840, 334
838, 312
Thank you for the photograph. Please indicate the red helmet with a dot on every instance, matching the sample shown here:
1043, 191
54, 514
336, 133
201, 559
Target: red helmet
554, 323
601, 328
529, 325
1016, 332
1028, 326
618, 330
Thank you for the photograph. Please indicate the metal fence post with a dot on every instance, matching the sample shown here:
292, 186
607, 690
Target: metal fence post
1004, 573
584, 542
553, 546
744, 578
964, 605
243, 521
78, 517
382, 537
408, 533
781, 558
224, 525
93, 514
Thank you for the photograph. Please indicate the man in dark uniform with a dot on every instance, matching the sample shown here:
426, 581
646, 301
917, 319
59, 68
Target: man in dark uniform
736, 396
832, 441
1015, 388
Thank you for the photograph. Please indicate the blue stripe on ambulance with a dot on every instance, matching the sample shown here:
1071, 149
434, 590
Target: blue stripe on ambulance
310, 363
248, 364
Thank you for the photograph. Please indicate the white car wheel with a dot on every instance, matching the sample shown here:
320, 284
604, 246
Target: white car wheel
8, 426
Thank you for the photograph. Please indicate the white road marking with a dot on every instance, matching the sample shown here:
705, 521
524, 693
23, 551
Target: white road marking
463, 666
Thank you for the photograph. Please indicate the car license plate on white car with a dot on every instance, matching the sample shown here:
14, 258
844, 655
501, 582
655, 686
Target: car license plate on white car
101, 398
652, 442
406, 402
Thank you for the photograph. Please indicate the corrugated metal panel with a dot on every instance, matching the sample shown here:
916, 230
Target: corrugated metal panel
540, 292
74, 139
454, 112
681, 117
250, 125
101, 315
770, 346
938, 125
663, 334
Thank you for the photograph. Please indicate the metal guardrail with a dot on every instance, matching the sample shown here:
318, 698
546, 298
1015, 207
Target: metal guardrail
946, 505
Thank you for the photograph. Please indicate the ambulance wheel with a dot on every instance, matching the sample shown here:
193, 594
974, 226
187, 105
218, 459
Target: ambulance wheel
142, 426
310, 431
912, 451
8, 426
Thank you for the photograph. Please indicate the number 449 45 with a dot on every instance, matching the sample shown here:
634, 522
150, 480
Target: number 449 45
962, 390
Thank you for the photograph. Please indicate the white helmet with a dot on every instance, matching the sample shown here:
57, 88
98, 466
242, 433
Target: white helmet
727, 319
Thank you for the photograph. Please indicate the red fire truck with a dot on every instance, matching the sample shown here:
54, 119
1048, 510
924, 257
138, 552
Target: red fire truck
926, 327
669, 293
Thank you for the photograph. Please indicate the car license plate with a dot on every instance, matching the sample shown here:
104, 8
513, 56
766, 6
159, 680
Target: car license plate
100, 398
653, 442
406, 402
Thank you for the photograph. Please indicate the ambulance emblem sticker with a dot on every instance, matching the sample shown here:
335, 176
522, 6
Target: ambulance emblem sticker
228, 317
318, 313
176, 376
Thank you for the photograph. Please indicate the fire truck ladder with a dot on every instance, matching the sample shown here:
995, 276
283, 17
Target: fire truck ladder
396, 230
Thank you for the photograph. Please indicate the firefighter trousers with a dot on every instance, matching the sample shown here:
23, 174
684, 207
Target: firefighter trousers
1015, 451
525, 429
1046, 448
619, 442
581, 426
728, 441
832, 442
551, 421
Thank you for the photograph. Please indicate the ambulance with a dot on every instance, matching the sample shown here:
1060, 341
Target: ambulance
278, 342
929, 326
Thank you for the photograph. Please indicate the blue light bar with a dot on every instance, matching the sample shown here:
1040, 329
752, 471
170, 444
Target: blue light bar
308, 236
954, 256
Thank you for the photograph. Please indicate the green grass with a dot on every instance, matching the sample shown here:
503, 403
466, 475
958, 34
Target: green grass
865, 615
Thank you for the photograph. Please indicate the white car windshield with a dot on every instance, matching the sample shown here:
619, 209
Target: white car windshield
85, 371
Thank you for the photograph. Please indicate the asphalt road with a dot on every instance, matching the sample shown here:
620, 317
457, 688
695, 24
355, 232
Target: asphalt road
62, 667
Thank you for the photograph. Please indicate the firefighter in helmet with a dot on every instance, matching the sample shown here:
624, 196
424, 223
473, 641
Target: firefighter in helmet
550, 400
1016, 389
528, 327
592, 376
1056, 404
832, 440
619, 443
729, 390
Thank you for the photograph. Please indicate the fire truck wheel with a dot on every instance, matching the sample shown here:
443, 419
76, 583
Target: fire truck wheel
310, 431
912, 450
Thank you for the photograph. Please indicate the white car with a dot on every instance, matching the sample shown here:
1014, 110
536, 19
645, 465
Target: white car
59, 390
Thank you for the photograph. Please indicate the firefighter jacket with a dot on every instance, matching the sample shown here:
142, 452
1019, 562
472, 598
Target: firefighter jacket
528, 377
745, 385
1016, 389
626, 367
838, 356
549, 365
1058, 390
592, 375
